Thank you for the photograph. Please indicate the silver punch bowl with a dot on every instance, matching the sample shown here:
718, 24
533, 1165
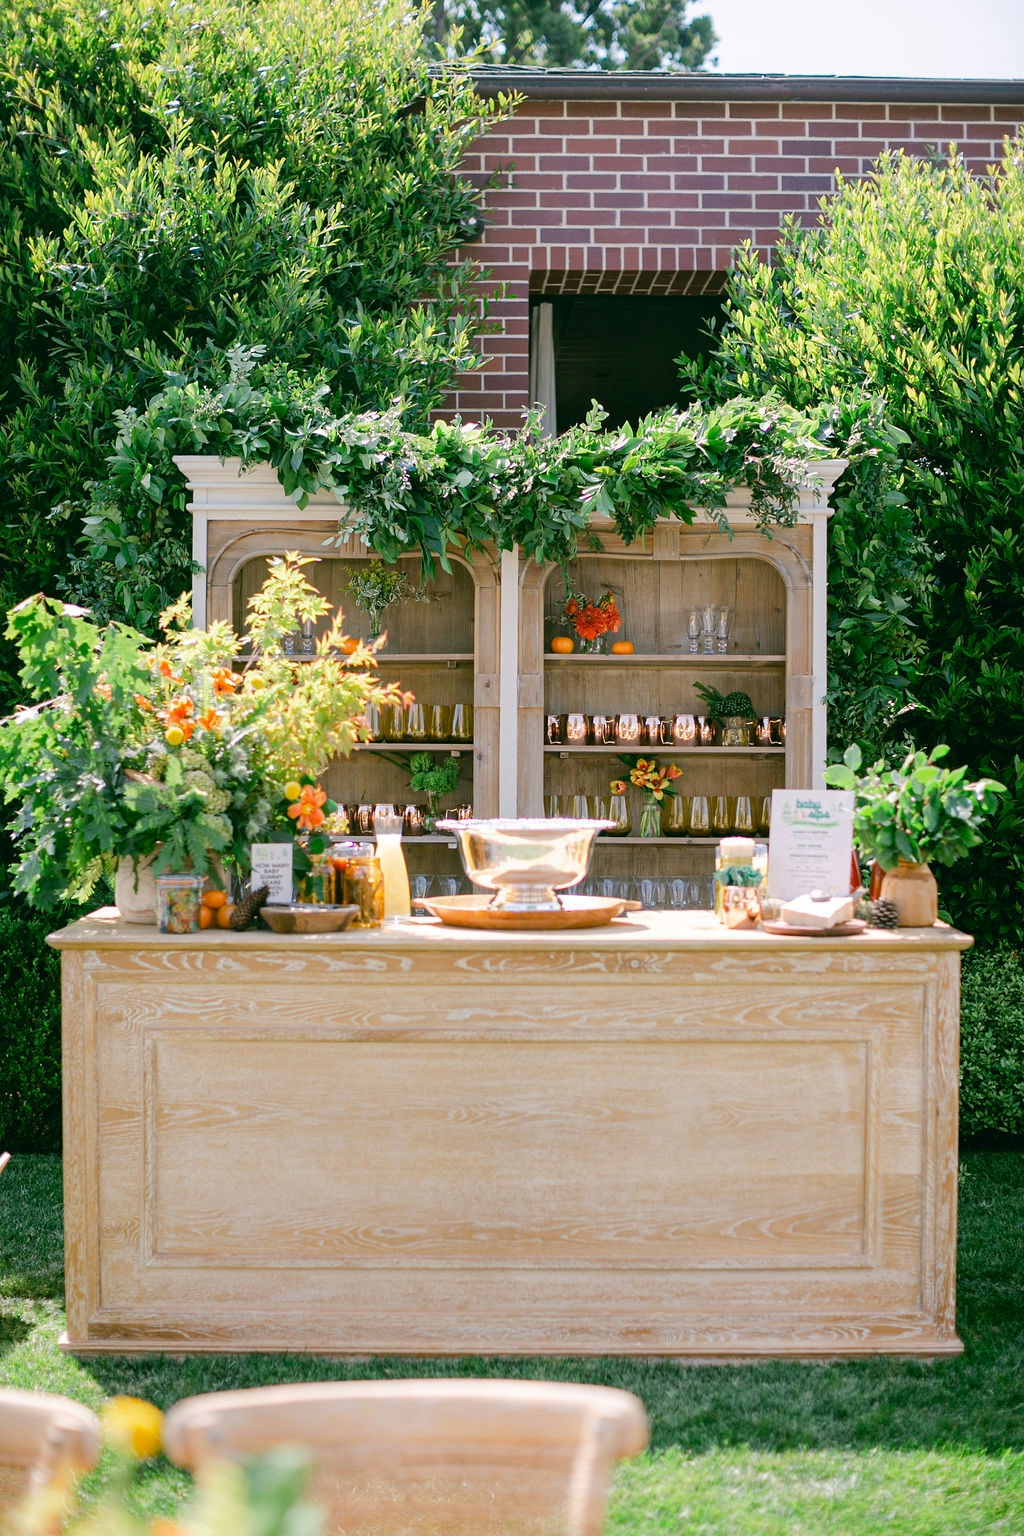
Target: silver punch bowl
525, 862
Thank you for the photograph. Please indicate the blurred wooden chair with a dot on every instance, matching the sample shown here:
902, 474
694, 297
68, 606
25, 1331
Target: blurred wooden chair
42, 1436
5, 1158
495, 1458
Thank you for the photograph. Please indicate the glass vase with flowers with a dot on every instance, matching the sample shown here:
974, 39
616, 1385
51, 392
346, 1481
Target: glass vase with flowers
590, 621
656, 782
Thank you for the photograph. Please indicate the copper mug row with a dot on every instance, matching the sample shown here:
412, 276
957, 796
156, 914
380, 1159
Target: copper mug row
629, 730
360, 818
420, 722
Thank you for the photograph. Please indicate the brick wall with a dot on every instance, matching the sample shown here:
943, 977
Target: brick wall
651, 196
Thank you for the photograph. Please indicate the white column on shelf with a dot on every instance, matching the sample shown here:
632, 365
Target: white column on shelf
542, 365
508, 687
814, 505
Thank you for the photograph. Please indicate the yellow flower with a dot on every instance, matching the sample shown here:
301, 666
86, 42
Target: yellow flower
256, 683
132, 1426
174, 736
292, 790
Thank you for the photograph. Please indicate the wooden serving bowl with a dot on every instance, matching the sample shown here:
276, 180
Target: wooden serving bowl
307, 919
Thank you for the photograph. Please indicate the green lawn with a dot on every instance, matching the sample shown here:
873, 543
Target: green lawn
779, 1449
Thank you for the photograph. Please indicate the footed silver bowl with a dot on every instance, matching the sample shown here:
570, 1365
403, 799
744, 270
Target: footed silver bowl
527, 861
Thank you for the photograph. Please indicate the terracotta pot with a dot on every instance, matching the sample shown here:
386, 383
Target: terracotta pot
914, 892
135, 890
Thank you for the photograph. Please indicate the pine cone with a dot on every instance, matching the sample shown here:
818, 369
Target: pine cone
246, 909
883, 914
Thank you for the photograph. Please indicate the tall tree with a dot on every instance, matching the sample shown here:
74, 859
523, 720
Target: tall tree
607, 34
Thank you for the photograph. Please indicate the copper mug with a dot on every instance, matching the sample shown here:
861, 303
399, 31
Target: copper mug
653, 731
554, 730
682, 731
575, 730
705, 731
602, 730
627, 730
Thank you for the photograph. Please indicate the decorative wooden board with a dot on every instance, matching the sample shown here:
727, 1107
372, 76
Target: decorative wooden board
477, 912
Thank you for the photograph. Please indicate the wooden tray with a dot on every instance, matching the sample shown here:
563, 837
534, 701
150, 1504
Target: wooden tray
852, 925
476, 912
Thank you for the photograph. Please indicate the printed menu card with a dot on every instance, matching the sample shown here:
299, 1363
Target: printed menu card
811, 842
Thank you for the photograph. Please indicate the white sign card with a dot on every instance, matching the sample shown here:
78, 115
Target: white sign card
272, 865
811, 842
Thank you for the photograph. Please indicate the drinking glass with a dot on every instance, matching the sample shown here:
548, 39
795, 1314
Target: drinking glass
763, 815
576, 808
675, 816
421, 886
412, 820
693, 630
576, 727
439, 722
700, 822
449, 885
705, 729
461, 728
597, 808
722, 628
364, 819
415, 723
743, 816
393, 722
682, 730
627, 730
553, 806
721, 821
372, 716
554, 730
652, 730
709, 628
618, 811
602, 730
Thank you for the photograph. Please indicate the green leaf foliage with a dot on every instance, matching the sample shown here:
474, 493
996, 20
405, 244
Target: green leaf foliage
912, 291
605, 34
176, 180
992, 1042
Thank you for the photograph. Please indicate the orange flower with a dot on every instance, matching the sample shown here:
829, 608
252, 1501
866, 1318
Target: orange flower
224, 680
618, 786
209, 720
143, 702
305, 811
167, 671
178, 710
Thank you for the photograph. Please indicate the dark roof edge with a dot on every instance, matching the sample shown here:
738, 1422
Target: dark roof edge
697, 85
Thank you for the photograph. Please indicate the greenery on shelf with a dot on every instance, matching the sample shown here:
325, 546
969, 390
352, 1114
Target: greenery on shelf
433, 780
721, 705
132, 749
920, 811
912, 289
375, 588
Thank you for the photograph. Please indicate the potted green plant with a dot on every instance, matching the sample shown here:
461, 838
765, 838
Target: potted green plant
731, 713
912, 816
433, 780
375, 588
176, 755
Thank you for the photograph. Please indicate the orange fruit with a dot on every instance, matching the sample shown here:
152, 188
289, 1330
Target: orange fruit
206, 917
562, 645
223, 916
622, 648
214, 899
349, 644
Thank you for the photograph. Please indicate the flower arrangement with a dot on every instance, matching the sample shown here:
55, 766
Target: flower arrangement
656, 782
589, 620
267, 1493
185, 749
375, 588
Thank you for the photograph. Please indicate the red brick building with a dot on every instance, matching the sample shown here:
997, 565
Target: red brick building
639, 186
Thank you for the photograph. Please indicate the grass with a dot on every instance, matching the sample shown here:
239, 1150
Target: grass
779, 1449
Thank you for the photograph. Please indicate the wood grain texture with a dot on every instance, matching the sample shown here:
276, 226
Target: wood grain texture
655, 1138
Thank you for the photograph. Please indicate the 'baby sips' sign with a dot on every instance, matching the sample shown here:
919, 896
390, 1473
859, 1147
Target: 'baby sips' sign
811, 842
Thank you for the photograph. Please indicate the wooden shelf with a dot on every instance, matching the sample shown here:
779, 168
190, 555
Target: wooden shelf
603, 840
454, 748
731, 663
626, 750
401, 658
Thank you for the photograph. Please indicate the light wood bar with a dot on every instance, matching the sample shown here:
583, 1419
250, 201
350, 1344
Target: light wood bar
658, 1138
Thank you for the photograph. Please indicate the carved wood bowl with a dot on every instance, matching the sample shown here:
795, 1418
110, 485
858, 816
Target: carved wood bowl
301, 918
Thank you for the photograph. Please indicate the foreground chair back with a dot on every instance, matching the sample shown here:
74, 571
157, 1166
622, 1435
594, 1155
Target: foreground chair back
42, 1437
496, 1458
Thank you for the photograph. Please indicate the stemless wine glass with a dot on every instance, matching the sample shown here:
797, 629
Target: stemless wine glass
763, 815
372, 716
553, 806
393, 722
721, 821
415, 723
439, 722
576, 808
462, 722
597, 808
743, 816
618, 811
700, 821
675, 816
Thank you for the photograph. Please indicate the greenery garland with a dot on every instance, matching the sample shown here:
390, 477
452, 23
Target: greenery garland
452, 486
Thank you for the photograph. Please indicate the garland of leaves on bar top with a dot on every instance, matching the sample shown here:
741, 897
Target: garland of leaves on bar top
450, 486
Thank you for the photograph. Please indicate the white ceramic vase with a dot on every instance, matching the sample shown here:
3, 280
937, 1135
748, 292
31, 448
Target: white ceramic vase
135, 890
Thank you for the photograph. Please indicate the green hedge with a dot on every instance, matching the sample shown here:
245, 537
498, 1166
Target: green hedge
992, 1045
29, 1033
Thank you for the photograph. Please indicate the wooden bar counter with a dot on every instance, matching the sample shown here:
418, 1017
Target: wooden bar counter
655, 1138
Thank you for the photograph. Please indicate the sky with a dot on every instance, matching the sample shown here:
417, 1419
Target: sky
925, 39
